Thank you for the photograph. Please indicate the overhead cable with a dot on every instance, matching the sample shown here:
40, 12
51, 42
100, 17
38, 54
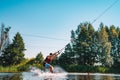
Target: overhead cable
105, 11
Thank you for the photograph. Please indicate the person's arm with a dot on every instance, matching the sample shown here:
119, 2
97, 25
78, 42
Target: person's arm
55, 54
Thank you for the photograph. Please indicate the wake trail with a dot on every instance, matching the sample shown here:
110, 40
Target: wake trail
58, 72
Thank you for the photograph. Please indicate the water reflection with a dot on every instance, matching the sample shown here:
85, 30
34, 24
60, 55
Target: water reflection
78, 77
89, 77
93, 77
11, 76
16, 77
32, 76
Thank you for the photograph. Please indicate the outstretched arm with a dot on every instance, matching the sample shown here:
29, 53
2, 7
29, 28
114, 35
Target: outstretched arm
55, 54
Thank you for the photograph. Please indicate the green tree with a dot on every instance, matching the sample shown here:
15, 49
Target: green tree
88, 46
92, 51
66, 57
79, 51
116, 55
115, 40
14, 53
104, 47
84, 42
39, 58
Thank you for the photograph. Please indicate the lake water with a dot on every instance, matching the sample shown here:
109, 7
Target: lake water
58, 76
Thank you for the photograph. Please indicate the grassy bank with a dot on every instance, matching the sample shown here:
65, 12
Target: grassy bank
23, 66
8, 69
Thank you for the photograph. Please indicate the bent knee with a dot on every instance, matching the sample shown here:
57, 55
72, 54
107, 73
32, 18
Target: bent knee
51, 67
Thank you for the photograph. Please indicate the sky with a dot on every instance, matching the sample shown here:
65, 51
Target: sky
45, 25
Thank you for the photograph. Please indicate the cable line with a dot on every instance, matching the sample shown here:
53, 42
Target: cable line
45, 37
105, 11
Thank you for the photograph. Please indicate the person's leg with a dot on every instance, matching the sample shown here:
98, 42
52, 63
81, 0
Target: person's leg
51, 69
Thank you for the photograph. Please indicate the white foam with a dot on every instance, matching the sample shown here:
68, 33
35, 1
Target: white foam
58, 72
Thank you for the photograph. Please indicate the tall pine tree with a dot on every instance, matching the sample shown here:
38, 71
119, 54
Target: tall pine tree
14, 53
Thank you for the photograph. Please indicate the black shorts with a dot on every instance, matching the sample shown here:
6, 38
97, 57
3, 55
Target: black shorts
44, 64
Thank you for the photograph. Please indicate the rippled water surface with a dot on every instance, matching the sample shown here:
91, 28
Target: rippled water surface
58, 76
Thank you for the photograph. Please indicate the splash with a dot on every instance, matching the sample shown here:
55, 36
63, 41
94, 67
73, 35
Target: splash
58, 73
58, 69
35, 70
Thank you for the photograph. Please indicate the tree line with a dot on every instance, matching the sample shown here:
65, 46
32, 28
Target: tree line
90, 47
13, 54
88, 50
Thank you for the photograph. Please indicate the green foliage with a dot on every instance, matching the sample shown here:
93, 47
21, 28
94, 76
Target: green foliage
23, 67
39, 58
79, 51
102, 69
78, 68
88, 47
31, 61
104, 47
8, 69
67, 56
13, 54
92, 69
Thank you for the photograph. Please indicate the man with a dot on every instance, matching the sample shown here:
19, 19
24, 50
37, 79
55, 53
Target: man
49, 59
